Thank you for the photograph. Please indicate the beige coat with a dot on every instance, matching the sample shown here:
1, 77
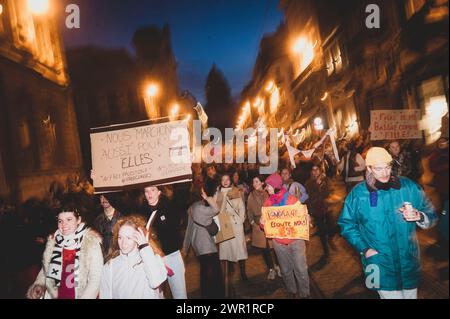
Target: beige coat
91, 266
234, 249
255, 202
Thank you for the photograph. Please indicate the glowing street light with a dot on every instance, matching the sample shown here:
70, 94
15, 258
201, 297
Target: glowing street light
38, 7
318, 124
152, 90
1, 9
175, 109
270, 86
257, 102
299, 45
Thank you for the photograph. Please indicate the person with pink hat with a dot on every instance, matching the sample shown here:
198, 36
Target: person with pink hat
291, 253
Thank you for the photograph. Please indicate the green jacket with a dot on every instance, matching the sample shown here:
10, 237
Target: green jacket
366, 223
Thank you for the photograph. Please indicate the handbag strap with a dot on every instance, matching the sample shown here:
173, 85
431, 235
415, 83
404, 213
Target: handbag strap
228, 201
198, 224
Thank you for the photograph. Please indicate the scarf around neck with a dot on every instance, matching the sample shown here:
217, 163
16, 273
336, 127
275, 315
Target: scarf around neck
373, 186
71, 242
276, 199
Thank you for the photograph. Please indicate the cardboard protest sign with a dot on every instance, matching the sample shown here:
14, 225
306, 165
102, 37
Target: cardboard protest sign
140, 154
287, 222
395, 124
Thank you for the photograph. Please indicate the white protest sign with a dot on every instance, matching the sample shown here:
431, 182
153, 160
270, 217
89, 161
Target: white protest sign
395, 124
140, 154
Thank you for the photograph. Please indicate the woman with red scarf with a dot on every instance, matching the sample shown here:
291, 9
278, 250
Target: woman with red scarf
291, 253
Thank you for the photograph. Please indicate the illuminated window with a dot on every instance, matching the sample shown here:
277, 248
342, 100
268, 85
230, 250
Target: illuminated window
413, 6
435, 105
2, 29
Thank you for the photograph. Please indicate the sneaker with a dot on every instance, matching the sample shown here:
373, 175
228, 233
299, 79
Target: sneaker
278, 270
271, 275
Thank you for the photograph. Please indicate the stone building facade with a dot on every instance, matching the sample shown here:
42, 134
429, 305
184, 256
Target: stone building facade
39, 138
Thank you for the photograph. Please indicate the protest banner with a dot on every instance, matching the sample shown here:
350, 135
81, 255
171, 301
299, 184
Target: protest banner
140, 154
287, 222
394, 124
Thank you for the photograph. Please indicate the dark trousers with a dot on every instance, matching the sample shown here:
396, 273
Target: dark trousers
211, 279
322, 226
267, 256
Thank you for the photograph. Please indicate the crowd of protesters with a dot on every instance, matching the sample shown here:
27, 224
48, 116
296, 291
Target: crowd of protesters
132, 244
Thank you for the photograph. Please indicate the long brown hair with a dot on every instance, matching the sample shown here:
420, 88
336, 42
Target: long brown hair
135, 221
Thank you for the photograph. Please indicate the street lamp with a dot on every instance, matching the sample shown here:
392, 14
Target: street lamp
38, 7
318, 124
151, 91
1, 9
175, 109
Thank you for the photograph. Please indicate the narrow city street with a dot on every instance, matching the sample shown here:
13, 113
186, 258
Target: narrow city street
131, 131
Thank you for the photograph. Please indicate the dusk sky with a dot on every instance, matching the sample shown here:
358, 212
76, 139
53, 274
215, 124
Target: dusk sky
225, 32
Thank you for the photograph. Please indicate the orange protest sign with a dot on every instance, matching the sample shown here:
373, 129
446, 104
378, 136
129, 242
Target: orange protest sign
287, 222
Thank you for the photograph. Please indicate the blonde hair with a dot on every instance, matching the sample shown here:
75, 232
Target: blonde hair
135, 221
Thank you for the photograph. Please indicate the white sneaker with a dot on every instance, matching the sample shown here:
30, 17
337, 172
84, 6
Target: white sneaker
278, 270
271, 275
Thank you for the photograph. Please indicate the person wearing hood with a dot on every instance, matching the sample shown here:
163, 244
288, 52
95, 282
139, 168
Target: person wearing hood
291, 253
379, 220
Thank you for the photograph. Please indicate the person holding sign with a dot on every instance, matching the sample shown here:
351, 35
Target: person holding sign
164, 226
379, 220
291, 253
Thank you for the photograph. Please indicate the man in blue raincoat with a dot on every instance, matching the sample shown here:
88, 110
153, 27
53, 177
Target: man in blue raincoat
378, 224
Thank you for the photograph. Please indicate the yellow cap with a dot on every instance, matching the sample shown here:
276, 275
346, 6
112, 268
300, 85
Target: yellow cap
378, 155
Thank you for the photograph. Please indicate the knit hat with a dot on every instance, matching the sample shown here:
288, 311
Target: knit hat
377, 155
275, 181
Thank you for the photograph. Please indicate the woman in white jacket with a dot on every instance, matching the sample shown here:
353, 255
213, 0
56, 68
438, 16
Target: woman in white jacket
134, 268
72, 261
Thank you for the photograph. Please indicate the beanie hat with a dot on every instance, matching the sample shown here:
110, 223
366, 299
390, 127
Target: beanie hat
275, 181
378, 155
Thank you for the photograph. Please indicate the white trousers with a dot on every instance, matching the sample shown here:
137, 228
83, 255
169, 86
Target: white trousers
399, 294
177, 282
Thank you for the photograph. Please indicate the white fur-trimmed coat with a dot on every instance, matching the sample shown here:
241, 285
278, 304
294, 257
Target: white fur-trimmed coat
91, 265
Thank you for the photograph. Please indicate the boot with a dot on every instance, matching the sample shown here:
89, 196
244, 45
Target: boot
242, 268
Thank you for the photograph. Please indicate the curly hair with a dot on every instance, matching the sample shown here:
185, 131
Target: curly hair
135, 221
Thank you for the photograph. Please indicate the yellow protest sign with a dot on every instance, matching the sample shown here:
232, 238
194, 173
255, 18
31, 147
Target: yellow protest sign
287, 222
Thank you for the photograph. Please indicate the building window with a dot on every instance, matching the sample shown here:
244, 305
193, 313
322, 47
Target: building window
413, 6
434, 104
334, 59
2, 28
